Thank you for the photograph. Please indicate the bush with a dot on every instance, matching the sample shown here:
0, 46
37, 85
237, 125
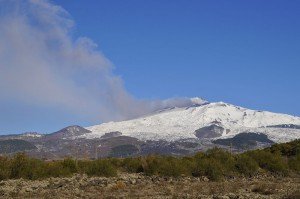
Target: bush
133, 165
164, 166
35, 169
22, 166
225, 159
150, 165
294, 163
286, 149
54, 169
213, 170
116, 162
214, 164
272, 162
246, 165
208, 167
199, 156
101, 168
4, 168
69, 166
19, 166
199, 167
170, 166
189, 165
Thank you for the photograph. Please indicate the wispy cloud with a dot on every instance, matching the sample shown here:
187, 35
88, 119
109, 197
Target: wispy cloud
41, 63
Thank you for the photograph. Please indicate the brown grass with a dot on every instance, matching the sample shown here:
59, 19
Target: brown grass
293, 195
265, 188
119, 186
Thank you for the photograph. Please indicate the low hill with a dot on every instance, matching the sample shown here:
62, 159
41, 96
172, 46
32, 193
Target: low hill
15, 145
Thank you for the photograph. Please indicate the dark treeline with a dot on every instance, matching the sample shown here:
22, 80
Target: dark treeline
280, 159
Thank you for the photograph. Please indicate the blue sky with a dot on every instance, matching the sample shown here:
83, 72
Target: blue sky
242, 52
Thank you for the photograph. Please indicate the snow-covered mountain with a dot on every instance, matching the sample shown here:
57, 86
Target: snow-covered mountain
190, 122
182, 130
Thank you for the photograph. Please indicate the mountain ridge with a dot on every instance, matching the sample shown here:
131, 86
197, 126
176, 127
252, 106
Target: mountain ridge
181, 123
182, 130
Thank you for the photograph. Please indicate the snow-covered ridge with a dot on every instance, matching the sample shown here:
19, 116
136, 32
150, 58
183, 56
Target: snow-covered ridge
180, 123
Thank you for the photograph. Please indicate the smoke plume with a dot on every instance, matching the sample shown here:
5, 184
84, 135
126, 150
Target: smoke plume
42, 64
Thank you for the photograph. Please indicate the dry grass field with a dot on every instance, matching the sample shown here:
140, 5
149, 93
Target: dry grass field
140, 186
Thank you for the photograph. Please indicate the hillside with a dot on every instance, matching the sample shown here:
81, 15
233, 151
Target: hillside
181, 123
171, 131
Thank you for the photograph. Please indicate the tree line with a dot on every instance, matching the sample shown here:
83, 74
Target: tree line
216, 164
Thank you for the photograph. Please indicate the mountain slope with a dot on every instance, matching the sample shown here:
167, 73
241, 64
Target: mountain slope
67, 133
181, 123
170, 131
15, 145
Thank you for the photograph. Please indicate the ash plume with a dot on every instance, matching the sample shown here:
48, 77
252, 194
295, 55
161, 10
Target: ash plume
41, 63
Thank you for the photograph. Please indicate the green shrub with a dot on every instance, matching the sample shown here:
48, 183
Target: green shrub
133, 165
209, 167
35, 169
164, 166
55, 169
19, 166
225, 159
246, 165
22, 166
69, 166
170, 166
199, 168
199, 156
286, 149
213, 169
294, 163
116, 162
101, 168
189, 165
150, 165
4, 168
272, 162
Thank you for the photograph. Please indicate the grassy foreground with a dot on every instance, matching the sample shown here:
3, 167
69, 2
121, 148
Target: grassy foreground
215, 164
138, 186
